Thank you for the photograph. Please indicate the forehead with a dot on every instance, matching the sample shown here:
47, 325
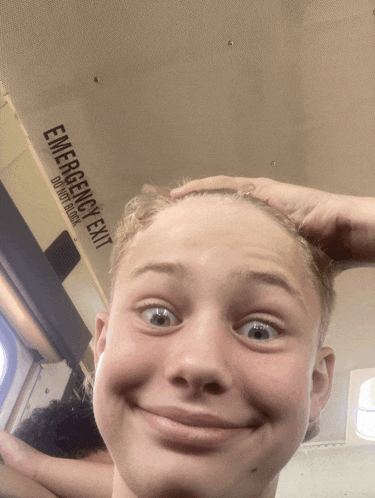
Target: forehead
210, 225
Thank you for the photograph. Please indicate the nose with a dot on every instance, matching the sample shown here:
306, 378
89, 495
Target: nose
199, 360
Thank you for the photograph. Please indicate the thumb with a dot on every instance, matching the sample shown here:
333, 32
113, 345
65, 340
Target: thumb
8, 449
19, 455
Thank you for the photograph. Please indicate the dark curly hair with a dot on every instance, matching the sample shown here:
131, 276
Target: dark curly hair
63, 429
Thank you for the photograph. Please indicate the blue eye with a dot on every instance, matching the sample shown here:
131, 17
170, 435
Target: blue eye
258, 331
160, 317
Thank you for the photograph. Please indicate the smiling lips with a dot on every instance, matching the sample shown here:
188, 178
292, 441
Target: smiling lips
192, 418
197, 429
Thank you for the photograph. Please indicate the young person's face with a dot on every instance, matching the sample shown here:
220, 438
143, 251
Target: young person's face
195, 325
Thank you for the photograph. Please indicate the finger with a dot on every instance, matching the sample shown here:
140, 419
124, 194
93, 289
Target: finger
214, 182
210, 183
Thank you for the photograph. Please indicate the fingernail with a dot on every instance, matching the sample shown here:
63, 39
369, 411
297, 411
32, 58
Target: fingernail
176, 190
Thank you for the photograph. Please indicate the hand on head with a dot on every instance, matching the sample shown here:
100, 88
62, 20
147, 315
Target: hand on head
340, 224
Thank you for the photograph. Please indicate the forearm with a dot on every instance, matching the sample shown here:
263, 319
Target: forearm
364, 228
356, 231
13, 484
76, 478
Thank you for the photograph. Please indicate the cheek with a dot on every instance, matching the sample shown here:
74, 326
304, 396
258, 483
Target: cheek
123, 370
128, 362
296, 392
280, 387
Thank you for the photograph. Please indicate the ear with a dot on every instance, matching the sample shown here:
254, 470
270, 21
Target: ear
101, 329
322, 377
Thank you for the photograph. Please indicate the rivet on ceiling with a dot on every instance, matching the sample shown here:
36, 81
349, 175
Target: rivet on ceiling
96, 79
230, 43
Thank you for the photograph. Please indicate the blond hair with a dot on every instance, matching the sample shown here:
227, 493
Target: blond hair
141, 211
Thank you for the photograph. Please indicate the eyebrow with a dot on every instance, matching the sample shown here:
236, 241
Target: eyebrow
182, 271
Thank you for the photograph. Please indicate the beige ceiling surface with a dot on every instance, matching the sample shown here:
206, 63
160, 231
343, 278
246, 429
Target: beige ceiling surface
154, 91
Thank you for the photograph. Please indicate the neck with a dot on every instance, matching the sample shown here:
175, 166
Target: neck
272, 488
